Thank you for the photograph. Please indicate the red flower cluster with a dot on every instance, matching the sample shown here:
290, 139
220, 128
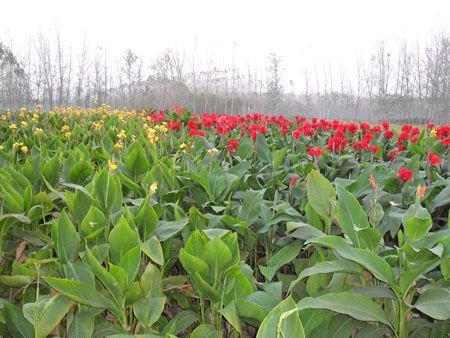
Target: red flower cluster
232, 145
314, 151
433, 159
405, 174
336, 144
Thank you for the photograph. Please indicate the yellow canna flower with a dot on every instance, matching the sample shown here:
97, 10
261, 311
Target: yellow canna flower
13, 127
68, 134
112, 165
122, 134
153, 188
118, 145
433, 132
212, 151
65, 128
38, 132
23, 124
17, 145
24, 149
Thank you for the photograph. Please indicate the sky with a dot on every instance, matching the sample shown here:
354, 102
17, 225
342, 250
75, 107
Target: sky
304, 33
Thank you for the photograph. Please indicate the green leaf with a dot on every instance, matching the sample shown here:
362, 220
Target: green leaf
417, 222
121, 239
148, 310
321, 194
217, 255
130, 262
135, 161
282, 257
146, 219
231, 314
151, 282
435, 303
82, 324
83, 294
350, 214
93, 221
168, 229
262, 149
206, 331
375, 264
66, 240
46, 314
105, 277
282, 321
108, 192
251, 205
153, 249
327, 267
344, 302
217, 182
50, 170
16, 323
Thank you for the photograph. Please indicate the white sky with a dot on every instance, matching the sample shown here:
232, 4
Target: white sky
302, 32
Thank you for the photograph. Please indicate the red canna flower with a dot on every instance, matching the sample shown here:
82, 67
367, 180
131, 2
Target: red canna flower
232, 145
174, 125
446, 141
405, 174
433, 159
388, 134
316, 151
293, 181
374, 149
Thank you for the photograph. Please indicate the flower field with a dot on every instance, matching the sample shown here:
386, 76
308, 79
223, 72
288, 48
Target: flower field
172, 224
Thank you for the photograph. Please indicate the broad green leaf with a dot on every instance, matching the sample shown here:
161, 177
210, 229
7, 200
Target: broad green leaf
148, 310
417, 222
231, 314
66, 240
146, 219
327, 267
130, 262
135, 161
206, 331
82, 323
83, 294
262, 149
45, 315
435, 303
16, 323
121, 239
153, 249
282, 321
344, 302
321, 195
282, 257
151, 282
168, 229
375, 264
94, 220
251, 205
350, 214
217, 255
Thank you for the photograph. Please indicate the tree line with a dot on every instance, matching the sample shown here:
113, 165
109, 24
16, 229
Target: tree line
405, 83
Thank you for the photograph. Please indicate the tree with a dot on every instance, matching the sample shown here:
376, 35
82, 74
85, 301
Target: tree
273, 82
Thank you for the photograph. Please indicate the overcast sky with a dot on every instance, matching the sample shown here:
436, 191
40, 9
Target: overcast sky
303, 32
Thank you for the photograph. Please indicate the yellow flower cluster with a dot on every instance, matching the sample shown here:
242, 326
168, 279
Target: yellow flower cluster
121, 135
21, 146
38, 132
23, 124
13, 127
118, 145
112, 165
65, 128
